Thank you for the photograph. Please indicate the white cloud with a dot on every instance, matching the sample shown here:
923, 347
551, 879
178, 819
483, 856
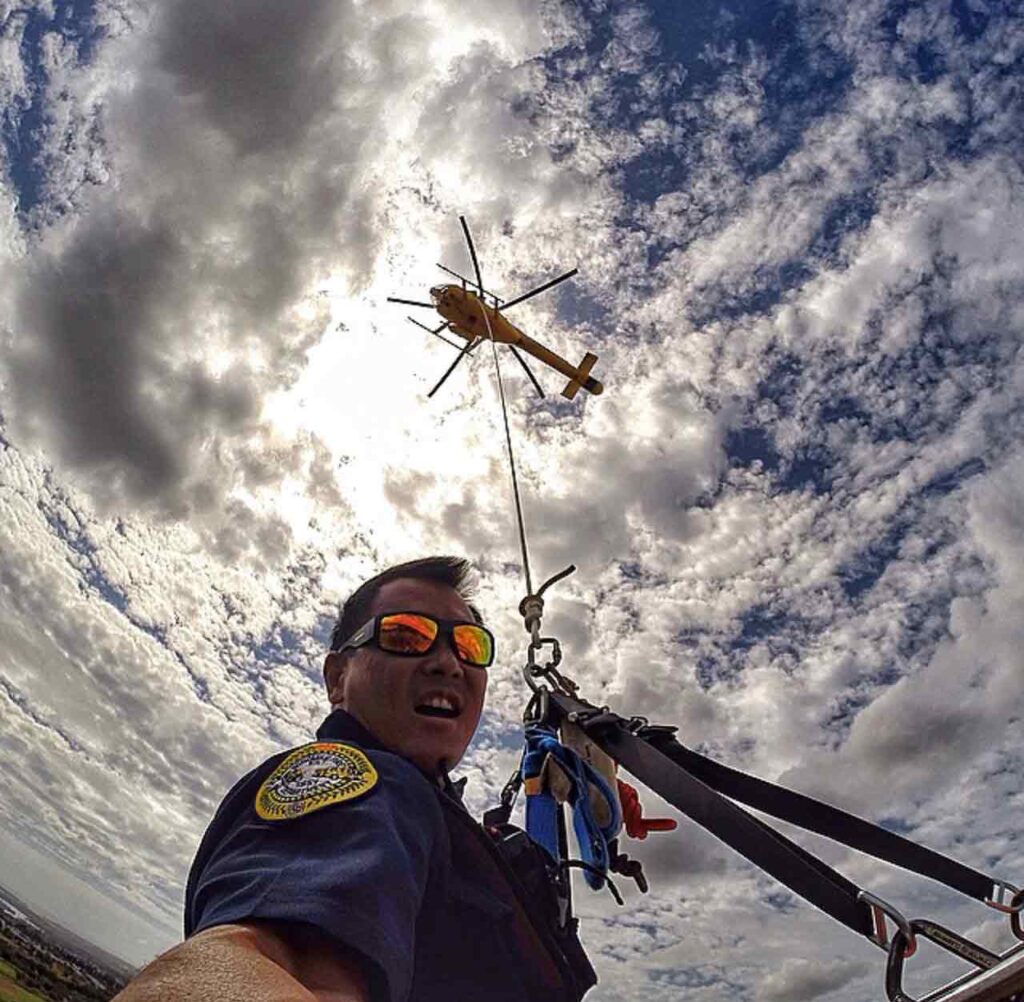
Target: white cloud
803, 979
795, 511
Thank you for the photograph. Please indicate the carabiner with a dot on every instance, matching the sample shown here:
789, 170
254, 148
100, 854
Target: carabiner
880, 937
894, 969
956, 944
1016, 905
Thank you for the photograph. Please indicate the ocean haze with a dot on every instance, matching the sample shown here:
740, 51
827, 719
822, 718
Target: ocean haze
60, 896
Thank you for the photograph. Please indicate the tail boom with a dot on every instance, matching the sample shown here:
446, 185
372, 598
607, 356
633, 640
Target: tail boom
579, 376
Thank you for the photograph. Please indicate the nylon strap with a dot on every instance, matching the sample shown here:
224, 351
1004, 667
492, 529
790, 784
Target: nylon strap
695, 785
823, 819
766, 848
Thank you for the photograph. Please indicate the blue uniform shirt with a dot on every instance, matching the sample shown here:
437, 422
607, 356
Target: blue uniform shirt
391, 865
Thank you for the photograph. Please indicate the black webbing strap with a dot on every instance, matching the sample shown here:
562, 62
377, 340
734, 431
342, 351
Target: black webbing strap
823, 819
698, 786
763, 846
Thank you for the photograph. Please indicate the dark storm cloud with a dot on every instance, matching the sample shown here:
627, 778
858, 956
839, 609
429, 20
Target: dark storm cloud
150, 326
261, 72
95, 313
796, 510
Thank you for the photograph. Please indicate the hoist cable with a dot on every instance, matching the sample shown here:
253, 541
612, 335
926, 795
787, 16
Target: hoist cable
511, 453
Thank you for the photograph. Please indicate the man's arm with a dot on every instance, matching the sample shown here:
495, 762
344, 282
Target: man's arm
252, 962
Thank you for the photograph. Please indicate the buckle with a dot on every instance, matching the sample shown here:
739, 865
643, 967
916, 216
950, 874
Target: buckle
880, 937
1000, 892
538, 709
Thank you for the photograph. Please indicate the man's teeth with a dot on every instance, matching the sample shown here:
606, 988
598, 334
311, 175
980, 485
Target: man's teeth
440, 706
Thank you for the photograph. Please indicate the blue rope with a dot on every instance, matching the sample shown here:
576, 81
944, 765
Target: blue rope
542, 808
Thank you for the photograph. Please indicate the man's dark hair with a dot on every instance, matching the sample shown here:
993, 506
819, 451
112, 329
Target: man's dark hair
452, 571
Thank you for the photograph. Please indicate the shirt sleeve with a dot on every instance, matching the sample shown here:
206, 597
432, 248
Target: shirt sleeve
357, 870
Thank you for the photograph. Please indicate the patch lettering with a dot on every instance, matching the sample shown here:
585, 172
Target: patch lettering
314, 776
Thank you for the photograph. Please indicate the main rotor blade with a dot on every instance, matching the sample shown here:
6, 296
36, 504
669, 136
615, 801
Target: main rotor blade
451, 368
472, 254
446, 341
522, 361
540, 289
424, 327
436, 331
454, 274
462, 278
411, 302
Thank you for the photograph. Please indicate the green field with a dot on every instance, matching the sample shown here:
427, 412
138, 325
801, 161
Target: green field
11, 991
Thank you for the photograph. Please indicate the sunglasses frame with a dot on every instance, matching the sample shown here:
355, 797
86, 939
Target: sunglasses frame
369, 633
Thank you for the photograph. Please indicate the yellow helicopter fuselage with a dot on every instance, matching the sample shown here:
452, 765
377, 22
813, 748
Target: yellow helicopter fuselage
470, 317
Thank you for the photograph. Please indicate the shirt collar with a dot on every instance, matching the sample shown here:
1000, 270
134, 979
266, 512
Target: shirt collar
341, 725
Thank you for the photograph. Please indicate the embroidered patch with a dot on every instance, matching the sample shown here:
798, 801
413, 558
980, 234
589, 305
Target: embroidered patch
312, 777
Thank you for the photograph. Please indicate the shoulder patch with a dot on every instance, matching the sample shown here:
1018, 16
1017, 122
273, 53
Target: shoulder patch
314, 776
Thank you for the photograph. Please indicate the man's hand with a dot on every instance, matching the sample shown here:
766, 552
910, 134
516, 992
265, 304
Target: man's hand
252, 962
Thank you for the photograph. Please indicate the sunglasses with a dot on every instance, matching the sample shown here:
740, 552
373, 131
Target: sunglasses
413, 634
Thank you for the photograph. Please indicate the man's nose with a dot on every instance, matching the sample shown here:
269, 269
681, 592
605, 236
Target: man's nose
445, 662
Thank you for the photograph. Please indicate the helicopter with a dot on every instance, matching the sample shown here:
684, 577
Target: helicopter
467, 313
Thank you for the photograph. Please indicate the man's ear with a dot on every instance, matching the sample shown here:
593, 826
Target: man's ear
334, 678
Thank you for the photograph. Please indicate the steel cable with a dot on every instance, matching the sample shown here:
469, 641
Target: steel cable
511, 453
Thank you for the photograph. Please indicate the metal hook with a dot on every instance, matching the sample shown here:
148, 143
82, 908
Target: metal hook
555, 578
951, 941
531, 608
879, 910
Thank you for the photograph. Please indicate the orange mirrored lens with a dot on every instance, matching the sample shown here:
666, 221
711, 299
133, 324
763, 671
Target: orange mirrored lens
407, 633
473, 645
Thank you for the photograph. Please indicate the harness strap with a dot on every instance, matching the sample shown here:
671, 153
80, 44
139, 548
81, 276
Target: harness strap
823, 819
695, 785
766, 848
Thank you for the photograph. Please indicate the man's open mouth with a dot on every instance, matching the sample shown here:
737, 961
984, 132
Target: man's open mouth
439, 706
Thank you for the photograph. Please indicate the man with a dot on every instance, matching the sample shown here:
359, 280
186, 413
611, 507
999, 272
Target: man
347, 870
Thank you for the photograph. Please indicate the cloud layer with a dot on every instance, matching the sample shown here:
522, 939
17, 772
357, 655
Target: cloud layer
796, 511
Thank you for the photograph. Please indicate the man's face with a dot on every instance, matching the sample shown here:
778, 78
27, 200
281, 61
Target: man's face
383, 691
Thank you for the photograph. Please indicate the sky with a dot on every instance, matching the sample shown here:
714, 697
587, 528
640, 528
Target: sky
797, 511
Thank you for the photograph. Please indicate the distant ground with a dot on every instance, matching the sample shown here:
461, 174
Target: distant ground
42, 962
